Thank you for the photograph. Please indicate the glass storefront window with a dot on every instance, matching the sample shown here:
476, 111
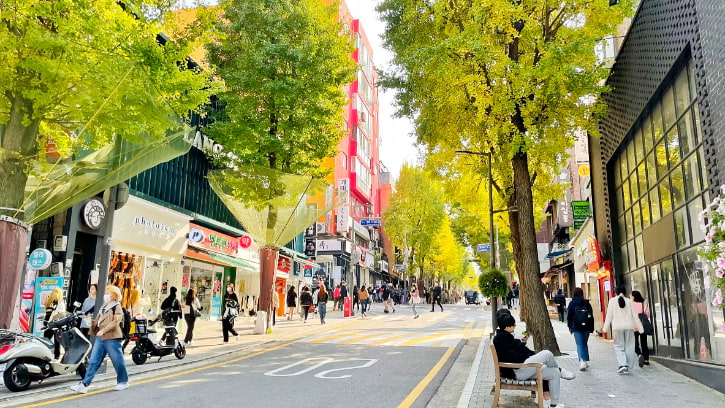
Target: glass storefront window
646, 215
625, 194
694, 208
666, 200
647, 134
692, 81
699, 342
657, 129
703, 169
638, 149
618, 199
687, 134
617, 174
632, 252
634, 185
629, 225
622, 229
681, 233
642, 178
661, 156
690, 168
669, 116
624, 258
638, 244
637, 218
631, 158
698, 124
682, 93
654, 199
673, 147
651, 170
623, 169
677, 187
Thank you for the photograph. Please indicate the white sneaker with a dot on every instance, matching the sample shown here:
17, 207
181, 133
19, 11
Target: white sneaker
121, 386
566, 374
80, 388
582, 365
623, 370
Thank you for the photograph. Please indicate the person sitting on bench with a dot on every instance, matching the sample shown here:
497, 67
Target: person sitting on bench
512, 350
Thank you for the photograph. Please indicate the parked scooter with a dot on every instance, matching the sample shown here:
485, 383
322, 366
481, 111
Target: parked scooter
25, 358
145, 339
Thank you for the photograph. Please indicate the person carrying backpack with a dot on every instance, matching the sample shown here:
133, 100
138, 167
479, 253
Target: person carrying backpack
580, 319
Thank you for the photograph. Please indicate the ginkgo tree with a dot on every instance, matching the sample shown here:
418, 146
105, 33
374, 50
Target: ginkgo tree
512, 78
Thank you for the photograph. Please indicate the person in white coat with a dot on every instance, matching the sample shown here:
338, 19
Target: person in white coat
622, 322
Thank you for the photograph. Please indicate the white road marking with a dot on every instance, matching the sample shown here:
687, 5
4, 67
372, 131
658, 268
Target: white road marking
465, 399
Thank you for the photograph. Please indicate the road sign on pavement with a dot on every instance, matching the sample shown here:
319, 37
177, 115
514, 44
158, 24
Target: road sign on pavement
368, 222
483, 247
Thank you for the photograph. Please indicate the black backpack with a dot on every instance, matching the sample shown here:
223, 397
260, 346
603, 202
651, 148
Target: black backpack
126, 323
582, 316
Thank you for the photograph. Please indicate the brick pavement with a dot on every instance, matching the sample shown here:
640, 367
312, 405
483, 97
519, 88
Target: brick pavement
601, 386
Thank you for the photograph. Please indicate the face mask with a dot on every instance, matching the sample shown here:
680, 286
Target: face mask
106, 298
229, 290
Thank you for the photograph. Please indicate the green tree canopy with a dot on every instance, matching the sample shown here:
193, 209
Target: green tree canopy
513, 78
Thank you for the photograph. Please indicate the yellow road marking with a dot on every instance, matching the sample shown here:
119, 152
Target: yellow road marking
388, 339
367, 336
337, 336
410, 399
422, 339
165, 377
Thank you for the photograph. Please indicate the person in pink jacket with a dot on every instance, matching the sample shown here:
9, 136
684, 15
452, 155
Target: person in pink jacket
622, 322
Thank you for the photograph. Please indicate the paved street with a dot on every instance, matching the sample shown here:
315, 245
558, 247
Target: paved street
389, 360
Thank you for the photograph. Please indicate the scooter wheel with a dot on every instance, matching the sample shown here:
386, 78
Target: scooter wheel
16, 378
180, 351
138, 356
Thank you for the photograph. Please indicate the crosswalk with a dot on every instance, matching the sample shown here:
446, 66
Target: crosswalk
437, 338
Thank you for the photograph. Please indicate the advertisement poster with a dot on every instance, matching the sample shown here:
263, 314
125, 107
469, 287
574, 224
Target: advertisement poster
216, 305
43, 287
26, 301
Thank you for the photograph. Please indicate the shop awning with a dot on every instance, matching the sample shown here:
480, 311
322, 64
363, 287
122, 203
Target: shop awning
557, 268
299, 257
557, 254
239, 263
204, 257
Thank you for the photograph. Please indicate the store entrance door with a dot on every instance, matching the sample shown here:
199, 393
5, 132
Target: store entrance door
666, 314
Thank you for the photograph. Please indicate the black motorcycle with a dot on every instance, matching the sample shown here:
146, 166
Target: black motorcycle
145, 339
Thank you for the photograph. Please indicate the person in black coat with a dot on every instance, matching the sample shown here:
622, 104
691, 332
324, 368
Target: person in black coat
560, 301
580, 319
231, 311
512, 350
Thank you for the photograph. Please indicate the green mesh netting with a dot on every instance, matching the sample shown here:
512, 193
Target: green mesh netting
50, 191
271, 205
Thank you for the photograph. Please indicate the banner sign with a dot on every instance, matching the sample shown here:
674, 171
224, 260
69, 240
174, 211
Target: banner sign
580, 210
43, 288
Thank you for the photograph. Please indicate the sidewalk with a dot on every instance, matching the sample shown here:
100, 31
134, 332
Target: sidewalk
207, 344
600, 386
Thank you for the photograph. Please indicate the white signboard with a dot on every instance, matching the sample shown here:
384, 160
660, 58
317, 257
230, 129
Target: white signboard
328, 245
343, 218
343, 191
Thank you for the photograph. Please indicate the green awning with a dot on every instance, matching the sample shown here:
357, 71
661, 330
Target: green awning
233, 261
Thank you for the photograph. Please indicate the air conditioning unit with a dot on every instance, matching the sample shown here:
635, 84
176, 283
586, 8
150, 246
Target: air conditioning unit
363, 117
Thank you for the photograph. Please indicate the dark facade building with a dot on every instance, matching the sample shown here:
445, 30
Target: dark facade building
655, 168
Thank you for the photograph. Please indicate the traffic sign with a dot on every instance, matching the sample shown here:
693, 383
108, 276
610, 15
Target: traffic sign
40, 259
370, 222
483, 247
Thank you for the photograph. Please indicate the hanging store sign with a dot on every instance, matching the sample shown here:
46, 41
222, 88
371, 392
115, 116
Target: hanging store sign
343, 219
94, 212
284, 264
245, 241
328, 245
593, 255
40, 259
159, 228
580, 210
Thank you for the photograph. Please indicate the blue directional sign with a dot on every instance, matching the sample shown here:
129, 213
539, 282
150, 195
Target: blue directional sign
483, 247
370, 223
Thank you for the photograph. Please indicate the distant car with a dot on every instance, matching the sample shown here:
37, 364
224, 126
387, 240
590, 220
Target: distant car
472, 297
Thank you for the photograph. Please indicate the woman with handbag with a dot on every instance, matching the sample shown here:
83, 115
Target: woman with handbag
231, 311
622, 322
640, 338
192, 310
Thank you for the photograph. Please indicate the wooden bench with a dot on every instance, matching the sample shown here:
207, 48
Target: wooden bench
503, 383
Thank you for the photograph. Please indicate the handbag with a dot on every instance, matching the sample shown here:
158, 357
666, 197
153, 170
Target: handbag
646, 324
197, 313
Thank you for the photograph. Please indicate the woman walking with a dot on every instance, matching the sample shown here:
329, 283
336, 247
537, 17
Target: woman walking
580, 319
322, 303
363, 297
191, 308
640, 338
54, 306
414, 300
87, 308
231, 311
305, 301
107, 329
291, 302
622, 322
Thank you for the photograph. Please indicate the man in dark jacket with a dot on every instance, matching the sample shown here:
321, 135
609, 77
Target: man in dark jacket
560, 301
580, 319
437, 292
512, 350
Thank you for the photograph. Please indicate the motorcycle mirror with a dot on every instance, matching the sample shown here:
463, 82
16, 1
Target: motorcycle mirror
77, 304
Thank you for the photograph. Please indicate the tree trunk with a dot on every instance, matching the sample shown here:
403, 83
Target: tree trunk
19, 147
533, 305
516, 246
268, 266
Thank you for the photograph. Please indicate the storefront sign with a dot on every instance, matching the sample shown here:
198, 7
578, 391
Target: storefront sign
328, 245
153, 227
284, 264
245, 241
580, 210
343, 218
361, 231
593, 255
40, 259
584, 170
214, 310
146, 227
310, 248
94, 212
209, 239
43, 288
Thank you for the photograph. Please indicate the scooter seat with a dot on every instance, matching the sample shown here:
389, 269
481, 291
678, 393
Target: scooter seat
45, 341
151, 331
